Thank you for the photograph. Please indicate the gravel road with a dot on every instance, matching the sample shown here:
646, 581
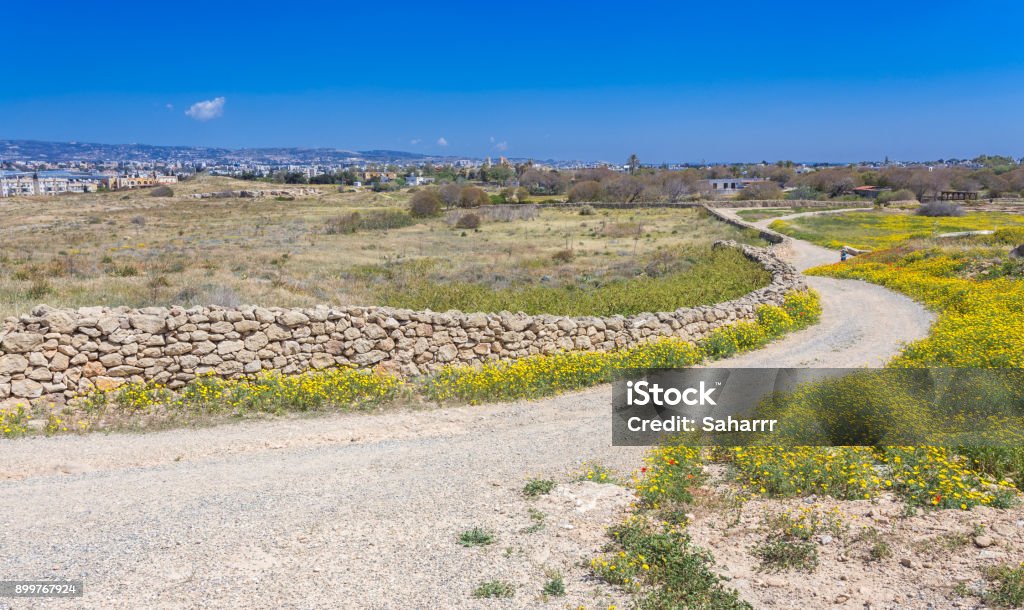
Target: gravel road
362, 511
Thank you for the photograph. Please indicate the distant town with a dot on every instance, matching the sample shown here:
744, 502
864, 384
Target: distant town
29, 167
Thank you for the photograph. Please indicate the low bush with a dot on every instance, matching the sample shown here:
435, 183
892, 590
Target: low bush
887, 197
664, 566
426, 203
939, 208
468, 221
369, 220
1006, 588
538, 487
162, 191
476, 537
494, 588
564, 256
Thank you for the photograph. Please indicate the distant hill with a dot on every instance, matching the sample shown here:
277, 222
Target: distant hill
63, 152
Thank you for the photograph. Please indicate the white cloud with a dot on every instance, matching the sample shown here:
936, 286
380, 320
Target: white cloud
207, 109
415, 141
501, 146
169, 106
442, 142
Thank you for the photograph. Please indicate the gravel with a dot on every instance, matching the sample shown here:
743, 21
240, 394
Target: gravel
361, 511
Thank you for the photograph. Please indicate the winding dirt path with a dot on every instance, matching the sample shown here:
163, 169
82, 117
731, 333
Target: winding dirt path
362, 511
861, 324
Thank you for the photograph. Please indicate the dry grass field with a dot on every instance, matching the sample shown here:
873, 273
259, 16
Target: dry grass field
129, 248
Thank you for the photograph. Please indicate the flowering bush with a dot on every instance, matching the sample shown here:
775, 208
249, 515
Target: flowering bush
13, 421
268, 392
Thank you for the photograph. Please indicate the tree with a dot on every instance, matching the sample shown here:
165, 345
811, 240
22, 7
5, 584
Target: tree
500, 174
633, 163
425, 203
588, 190
760, 190
541, 182
626, 188
472, 197
450, 194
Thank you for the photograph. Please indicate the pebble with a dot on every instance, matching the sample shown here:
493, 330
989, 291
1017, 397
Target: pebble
983, 541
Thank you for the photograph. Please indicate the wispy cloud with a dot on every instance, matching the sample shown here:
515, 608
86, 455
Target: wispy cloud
442, 141
207, 109
169, 106
501, 146
415, 141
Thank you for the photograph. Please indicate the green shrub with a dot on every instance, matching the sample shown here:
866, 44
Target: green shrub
476, 537
887, 197
1008, 586
538, 487
494, 588
555, 587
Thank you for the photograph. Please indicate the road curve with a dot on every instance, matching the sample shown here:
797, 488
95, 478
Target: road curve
861, 324
358, 511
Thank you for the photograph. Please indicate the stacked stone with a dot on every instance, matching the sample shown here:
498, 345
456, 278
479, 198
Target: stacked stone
296, 192
55, 354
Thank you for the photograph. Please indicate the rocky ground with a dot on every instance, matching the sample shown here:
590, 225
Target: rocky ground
927, 560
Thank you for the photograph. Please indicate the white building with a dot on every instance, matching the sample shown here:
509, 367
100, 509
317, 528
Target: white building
728, 186
21, 185
414, 180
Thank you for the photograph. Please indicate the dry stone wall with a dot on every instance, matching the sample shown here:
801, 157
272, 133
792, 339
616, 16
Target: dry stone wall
55, 354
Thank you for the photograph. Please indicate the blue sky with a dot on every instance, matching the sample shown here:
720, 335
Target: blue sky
670, 81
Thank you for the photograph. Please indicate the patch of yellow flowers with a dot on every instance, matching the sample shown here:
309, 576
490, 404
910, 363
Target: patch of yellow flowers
269, 392
13, 421
980, 322
875, 230
923, 476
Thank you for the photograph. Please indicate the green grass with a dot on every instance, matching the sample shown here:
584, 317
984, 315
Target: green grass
710, 276
874, 230
476, 537
753, 214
